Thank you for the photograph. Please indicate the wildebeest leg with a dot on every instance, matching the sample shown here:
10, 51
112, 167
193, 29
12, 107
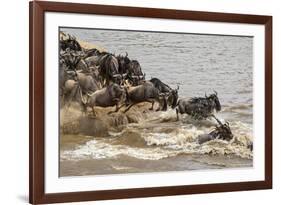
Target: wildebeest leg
177, 111
164, 107
84, 108
152, 104
94, 113
159, 105
129, 107
117, 109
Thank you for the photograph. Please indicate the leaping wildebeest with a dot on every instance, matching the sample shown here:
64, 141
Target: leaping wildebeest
105, 97
199, 107
145, 92
87, 82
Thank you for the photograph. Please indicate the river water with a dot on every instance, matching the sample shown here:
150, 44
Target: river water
154, 141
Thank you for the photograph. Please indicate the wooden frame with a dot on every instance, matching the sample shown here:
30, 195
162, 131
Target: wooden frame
36, 88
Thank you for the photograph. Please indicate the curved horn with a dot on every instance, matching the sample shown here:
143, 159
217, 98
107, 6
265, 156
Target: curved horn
215, 92
205, 95
217, 119
178, 87
126, 54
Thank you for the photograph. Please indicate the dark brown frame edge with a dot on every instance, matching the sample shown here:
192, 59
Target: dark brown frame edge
37, 194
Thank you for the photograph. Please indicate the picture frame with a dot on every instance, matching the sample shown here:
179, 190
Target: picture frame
37, 99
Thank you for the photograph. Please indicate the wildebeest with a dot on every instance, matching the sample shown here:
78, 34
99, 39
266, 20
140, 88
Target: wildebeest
87, 82
92, 52
70, 42
108, 68
123, 62
145, 92
221, 131
105, 97
171, 94
105, 65
135, 75
199, 107
68, 86
71, 58
70, 78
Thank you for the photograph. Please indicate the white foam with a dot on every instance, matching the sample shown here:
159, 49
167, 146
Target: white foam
161, 145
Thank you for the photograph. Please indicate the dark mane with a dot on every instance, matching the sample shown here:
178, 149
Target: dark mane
202, 107
162, 87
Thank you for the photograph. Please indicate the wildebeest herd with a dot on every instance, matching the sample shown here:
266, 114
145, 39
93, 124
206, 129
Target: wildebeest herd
93, 78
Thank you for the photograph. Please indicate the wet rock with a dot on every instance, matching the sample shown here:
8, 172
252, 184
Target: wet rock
92, 127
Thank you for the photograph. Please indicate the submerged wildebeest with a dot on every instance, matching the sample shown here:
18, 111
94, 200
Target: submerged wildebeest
221, 131
170, 94
199, 107
105, 97
145, 92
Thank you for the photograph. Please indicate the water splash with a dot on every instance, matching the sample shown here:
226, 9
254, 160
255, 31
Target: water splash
158, 135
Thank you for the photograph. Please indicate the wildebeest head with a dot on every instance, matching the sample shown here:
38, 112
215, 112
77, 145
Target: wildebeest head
136, 75
116, 91
117, 78
108, 68
214, 98
70, 58
123, 62
223, 132
71, 75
